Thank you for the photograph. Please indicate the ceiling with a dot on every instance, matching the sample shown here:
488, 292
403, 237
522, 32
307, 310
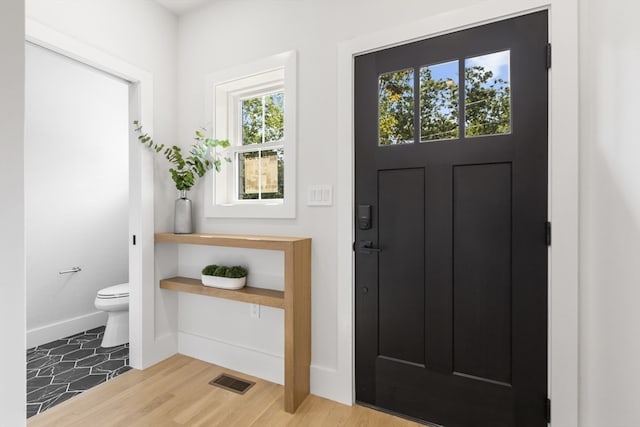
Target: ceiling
181, 6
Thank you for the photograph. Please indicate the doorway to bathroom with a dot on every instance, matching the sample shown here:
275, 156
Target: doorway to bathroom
77, 218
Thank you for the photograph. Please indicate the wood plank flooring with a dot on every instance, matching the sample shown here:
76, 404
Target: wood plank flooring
176, 392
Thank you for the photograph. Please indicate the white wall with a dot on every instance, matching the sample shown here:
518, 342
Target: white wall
230, 33
76, 192
12, 313
610, 213
143, 34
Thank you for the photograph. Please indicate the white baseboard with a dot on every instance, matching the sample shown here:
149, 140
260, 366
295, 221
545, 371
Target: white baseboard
325, 382
328, 383
64, 328
263, 365
162, 348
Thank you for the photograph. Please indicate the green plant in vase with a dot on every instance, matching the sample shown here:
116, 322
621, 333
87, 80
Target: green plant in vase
203, 156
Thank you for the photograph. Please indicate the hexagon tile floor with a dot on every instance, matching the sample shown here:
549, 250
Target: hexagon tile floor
61, 369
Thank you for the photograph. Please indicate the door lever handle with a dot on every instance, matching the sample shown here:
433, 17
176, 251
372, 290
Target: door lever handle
366, 247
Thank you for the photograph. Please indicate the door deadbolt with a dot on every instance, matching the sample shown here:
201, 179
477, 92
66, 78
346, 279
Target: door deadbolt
364, 217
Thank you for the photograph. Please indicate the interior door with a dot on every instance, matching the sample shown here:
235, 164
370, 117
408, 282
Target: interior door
451, 247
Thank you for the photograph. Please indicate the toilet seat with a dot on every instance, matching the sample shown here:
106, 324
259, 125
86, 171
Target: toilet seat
114, 301
116, 291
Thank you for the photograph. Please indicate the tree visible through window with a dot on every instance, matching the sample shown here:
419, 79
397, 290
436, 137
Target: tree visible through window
487, 95
395, 108
439, 101
487, 101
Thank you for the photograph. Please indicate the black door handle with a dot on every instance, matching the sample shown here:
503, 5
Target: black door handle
365, 247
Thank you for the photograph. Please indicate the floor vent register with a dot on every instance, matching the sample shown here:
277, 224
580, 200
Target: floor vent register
231, 383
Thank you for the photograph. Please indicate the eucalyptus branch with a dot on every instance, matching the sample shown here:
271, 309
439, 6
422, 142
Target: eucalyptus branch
186, 171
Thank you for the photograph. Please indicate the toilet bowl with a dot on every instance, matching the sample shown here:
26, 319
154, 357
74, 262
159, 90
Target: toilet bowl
114, 300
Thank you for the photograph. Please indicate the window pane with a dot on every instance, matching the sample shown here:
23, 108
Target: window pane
274, 117
487, 99
248, 175
272, 174
261, 175
439, 101
252, 120
263, 119
395, 108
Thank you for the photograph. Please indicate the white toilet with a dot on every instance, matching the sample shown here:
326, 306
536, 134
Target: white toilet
115, 301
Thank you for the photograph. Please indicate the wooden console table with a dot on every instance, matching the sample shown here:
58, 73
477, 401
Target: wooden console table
295, 300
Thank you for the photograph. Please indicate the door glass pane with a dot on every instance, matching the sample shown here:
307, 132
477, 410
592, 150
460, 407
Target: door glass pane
395, 108
439, 101
487, 97
261, 174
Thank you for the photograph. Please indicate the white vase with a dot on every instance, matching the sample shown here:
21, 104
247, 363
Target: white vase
224, 282
182, 219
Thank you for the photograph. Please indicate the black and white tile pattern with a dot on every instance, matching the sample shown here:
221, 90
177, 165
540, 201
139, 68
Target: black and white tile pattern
61, 369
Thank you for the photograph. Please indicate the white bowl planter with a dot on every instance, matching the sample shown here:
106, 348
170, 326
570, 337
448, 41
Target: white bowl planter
224, 282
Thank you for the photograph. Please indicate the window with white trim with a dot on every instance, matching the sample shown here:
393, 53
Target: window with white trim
254, 106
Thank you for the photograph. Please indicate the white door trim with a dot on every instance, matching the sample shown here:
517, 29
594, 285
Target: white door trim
563, 184
141, 256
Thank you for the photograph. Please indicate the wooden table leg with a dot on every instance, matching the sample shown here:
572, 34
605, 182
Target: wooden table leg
297, 324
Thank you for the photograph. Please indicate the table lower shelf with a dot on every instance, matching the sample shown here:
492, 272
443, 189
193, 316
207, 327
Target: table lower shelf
268, 297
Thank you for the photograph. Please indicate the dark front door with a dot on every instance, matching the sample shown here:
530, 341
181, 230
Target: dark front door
451, 204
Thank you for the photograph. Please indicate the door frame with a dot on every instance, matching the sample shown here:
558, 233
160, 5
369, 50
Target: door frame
563, 184
145, 350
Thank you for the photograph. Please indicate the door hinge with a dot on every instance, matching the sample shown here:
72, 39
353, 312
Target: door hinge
548, 55
548, 233
547, 409
134, 240
353, 246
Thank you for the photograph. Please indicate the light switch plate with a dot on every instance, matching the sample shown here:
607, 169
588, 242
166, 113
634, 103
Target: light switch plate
319, 195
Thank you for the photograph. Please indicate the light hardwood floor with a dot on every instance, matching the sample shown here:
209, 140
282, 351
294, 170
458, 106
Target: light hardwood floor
176, 392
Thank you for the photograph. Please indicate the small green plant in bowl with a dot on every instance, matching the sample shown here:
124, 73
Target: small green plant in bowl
220, 276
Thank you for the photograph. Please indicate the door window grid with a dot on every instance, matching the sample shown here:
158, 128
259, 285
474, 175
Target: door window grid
487, 100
